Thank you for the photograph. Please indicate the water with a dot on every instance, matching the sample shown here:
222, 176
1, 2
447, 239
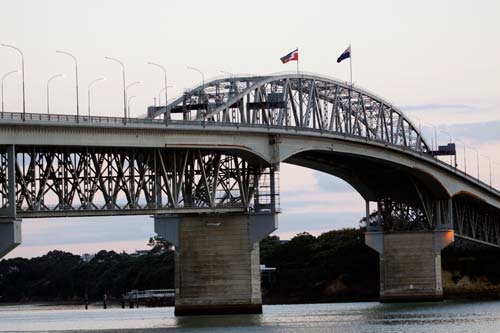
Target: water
317, 318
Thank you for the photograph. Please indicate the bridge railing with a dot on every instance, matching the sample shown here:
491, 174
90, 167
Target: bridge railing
66, 118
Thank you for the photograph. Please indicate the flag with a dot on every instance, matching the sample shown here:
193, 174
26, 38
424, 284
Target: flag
346, 54
294, 55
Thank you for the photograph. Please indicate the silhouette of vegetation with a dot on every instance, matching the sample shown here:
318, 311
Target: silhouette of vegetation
62, 276
336, 265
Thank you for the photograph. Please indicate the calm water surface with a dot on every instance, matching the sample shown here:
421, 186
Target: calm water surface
347, 317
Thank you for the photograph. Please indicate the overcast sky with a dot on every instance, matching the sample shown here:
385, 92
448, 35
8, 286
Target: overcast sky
438, 60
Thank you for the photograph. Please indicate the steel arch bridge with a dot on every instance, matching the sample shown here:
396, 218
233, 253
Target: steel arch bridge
303, 101
218, 146
312, 102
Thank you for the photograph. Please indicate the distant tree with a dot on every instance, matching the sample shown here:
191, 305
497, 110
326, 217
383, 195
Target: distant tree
268, 247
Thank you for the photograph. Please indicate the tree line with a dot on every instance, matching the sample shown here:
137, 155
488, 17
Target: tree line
335, 265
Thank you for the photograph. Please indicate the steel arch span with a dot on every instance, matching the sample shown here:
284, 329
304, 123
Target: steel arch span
301, 101
62, 165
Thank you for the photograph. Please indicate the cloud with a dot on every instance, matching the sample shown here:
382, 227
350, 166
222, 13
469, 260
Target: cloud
478, 131
435, 106
447, 114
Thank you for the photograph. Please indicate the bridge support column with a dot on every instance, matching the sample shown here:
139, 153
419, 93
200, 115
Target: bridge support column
10, 235
217, 263
410, 264
10, 227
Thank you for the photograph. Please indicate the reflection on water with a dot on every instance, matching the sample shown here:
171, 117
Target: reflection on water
317, 318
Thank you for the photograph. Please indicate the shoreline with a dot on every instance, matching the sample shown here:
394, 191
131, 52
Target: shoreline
481, 296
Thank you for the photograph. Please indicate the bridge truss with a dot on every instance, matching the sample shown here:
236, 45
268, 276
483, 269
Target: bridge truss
311, 102
114, 181
470, 219
296, 101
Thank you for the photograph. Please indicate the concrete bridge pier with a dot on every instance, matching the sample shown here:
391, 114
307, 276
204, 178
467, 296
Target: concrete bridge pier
217, 263
410, 264
10, 227
10, 235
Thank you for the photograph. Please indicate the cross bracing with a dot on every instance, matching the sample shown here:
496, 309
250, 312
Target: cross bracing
297, 101
476, 221
104, 181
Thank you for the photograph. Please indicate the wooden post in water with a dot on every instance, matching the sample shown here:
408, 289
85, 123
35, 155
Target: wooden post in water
105, 298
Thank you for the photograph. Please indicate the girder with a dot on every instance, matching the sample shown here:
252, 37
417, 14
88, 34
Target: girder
476, 221
72, 181
297, 100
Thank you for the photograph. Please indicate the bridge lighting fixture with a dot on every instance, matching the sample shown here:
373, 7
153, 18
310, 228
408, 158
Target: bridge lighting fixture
88, 90
498, 164
159, 95
164, 78
48, 86
124, 85
202, 76
126, 89
132, 84
22, 70
449, 137
76, 79
128, 104
489, 161
477, 161
3, 79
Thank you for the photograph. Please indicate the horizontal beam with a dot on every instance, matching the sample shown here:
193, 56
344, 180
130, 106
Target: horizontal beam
146, 212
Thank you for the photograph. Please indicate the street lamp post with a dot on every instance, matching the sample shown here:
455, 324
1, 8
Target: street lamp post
498, 164
48, 86
477, 161
489, 160
202, 76
449, 136
3, 78
435, 134
88, 90
76, 80
132, 84
22, 70
167, 115
164, 77
202, 83
124, 87
159, 95
433, 144
126, 90
128, 104
465, 154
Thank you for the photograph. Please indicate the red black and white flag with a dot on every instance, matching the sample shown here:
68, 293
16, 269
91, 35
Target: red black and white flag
292, 56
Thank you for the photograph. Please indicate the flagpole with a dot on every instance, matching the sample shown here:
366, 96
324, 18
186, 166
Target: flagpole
350, 61
297, 61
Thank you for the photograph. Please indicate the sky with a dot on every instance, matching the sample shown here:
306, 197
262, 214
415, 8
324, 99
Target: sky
438, 60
